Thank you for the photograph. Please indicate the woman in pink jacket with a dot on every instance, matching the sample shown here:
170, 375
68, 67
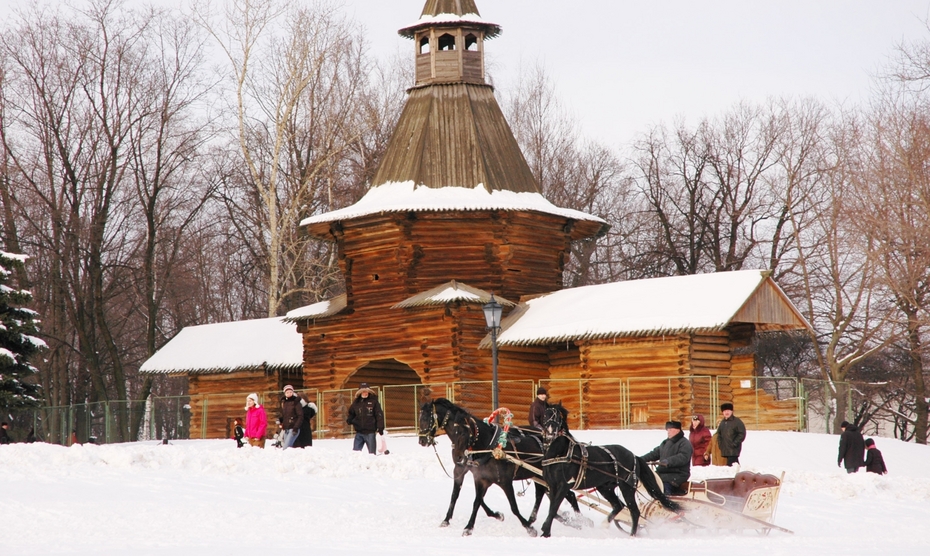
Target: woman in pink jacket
255, 421
700, 440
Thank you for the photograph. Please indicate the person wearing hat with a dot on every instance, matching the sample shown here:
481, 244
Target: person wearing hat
874, 462
673, 456
366, 416
852, 448
699, 437
305, 438
256, 421
730, 434
292, 416
538, 408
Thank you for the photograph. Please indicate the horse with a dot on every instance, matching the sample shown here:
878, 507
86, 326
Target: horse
569, 465
469, 434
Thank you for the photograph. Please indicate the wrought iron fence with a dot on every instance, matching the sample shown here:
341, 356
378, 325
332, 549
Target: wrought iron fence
639, 402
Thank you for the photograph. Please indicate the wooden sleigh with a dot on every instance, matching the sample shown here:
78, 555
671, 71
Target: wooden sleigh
745, 502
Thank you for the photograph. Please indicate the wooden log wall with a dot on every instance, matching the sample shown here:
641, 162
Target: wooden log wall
224, 396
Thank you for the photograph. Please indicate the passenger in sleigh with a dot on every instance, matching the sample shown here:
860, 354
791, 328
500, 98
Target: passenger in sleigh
673, 456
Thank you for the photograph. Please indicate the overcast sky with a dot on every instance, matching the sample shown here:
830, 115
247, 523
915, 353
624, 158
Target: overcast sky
622, 66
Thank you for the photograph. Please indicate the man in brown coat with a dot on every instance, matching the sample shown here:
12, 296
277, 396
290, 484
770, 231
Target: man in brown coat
538, 408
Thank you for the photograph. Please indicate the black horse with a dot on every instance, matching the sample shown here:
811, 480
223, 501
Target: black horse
570, 465
469, 434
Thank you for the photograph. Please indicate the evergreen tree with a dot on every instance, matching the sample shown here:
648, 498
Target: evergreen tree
18, 326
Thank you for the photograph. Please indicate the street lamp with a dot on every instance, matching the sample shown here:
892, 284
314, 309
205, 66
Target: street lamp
492, 314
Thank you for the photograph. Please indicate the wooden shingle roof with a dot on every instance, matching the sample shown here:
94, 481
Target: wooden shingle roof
444, 12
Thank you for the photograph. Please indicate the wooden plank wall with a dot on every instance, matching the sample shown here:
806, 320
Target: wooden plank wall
223, 405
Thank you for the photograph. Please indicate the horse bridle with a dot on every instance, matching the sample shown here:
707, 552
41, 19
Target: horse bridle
434, 425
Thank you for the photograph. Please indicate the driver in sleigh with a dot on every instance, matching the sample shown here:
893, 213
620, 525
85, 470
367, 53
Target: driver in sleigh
673, 456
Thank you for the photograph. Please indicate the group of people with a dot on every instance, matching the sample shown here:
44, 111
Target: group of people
856, 452
5, 434
676, 454
294, 426
295, 429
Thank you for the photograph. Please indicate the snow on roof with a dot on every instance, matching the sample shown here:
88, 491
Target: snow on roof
407, 197
229, 346
654, 306
317, 310
493, 29
449, 292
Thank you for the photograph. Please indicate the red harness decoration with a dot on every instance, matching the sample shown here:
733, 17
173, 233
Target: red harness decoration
507, 417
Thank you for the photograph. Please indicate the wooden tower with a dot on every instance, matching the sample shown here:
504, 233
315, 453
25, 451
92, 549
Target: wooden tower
453, 200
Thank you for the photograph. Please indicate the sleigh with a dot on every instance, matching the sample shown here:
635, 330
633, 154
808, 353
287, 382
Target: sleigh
744, 502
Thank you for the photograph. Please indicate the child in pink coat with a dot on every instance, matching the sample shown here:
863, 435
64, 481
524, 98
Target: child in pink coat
256, 421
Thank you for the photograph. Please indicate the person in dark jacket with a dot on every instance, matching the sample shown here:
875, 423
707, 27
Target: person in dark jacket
305, 438
538, 408
292, 416
852, 448
699, 436
238, 433
4, 434
730, 435
874, 462
674, 458
366, 416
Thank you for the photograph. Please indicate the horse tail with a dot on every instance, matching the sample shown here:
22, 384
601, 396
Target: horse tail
652, 487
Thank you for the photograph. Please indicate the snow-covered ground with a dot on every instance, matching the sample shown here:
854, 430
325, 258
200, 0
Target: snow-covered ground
207, 497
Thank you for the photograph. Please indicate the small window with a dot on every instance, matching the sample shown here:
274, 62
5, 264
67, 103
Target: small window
424, 45
471, 42
446, 42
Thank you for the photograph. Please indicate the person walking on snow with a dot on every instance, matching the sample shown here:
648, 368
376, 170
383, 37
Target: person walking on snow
305, 438
874, 462
256, 421
292, 416
699, 436
730, 435
366, 416
852, 447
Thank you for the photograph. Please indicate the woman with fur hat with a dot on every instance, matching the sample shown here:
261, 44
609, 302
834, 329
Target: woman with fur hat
305, 438
699, 436
256, 421
366, 416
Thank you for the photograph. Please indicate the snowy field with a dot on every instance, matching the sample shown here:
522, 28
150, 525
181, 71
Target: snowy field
207, 497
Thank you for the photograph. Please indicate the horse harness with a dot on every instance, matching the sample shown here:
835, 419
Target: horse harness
631, 476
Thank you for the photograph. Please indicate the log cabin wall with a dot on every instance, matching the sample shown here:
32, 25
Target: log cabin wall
221, 405
388, 258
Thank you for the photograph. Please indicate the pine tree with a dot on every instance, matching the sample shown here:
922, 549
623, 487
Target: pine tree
18, 326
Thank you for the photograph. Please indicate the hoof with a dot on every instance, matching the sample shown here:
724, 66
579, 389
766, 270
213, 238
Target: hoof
444, 523
466, 533
531, 531
499, 516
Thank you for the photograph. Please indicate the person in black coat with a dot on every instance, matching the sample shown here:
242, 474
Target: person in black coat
731, 432
305, 438
4, 435
852, 448
874, 462
366, 416
674, 458
292, 416
538, 408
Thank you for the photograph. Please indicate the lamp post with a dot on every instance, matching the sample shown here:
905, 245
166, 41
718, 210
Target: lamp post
492, 315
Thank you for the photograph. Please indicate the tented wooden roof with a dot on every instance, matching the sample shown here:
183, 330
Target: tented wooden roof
449, 292
455, 135
437, 12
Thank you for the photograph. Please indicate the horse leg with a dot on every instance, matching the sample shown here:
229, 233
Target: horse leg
557, 490
629, 495
481, 487
540, 492
458, 476
512, 498
607, 491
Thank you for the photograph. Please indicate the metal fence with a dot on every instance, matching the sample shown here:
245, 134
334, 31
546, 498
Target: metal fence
596, 404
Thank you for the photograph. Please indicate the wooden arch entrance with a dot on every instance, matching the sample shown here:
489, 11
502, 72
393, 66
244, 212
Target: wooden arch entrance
399, 386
